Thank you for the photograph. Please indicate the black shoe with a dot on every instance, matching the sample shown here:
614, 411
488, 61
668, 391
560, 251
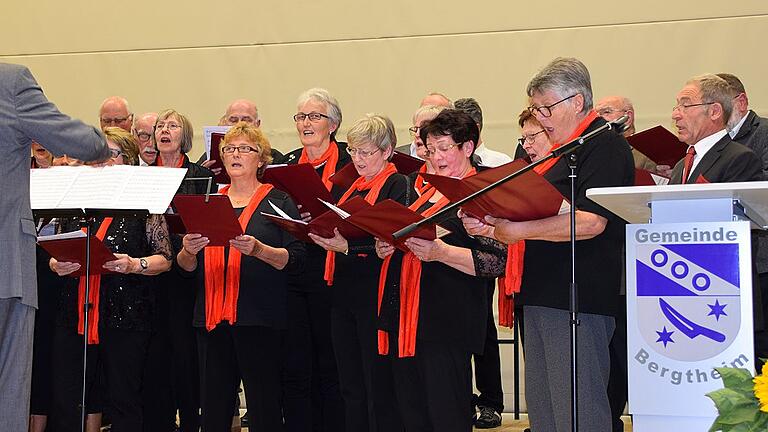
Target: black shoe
487, 418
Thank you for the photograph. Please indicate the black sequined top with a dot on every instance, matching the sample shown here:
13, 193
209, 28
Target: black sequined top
127, 301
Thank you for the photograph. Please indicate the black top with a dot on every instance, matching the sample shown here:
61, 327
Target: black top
127, 301
604, 161
311, 278
453, 306
356, 278
263, 288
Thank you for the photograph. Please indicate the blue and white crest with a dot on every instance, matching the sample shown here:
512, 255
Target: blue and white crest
688, 298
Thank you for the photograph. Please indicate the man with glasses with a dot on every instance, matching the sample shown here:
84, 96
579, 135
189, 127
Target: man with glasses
114, 112
431, 99
143, 128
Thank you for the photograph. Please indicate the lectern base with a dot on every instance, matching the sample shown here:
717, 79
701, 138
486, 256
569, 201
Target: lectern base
654, 423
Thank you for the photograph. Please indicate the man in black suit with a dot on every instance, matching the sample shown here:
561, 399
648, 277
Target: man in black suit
703, 107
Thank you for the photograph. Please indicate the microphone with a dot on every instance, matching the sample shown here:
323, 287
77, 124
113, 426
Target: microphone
620, 124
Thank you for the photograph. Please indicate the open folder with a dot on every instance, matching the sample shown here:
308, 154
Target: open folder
222, 177
659, 144
302, 183
647, 178
527, 197
214, 219
70, 247
324, 224
405, 164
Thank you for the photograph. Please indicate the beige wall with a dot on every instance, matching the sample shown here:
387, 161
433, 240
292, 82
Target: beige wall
382, 57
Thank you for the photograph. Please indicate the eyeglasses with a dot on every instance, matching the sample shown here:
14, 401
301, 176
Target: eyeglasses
116, 120
143, 136
313, 117
686, 106
546, 110
353, 151
528, 138
442, 148
114, 153
602, 112
171, 126
243, 149
414, 130
236, 119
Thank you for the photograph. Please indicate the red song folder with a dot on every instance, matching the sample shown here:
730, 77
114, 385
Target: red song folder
214, 219
405, 164
647, 178
324, 224
659, 144
70, 247
222, 177
389, 216
527, 197
302, 183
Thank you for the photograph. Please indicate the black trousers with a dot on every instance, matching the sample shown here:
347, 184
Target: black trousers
158, 394
617, 381
311, 395
365, 377
488, 365
228, 353
184, 357
119, 358
434, 388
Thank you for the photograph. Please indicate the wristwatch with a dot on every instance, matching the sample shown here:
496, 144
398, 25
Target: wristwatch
144, 265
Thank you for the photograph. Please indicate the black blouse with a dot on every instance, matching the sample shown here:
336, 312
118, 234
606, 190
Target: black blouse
310, 279
127, 301
263, 288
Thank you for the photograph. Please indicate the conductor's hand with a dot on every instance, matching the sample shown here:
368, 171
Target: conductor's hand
337, 243
247, 244
384, 249
476, 227
63, 268
193, 243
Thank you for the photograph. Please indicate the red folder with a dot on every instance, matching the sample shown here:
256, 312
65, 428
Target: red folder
73, 250
214, 219
222, 177
389, 216
324, 224
175, 224
527, 197
302, 183
405, 164
659, 144
645, 178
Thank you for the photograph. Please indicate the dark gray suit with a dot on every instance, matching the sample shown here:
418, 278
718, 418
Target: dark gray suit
725, 162
26, 115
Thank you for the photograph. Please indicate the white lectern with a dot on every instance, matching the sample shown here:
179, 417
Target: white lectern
689, 294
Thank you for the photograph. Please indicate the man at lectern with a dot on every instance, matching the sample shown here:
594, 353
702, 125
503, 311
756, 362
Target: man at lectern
561, 100
26, 115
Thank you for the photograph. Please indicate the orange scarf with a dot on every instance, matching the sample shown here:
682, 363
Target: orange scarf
510, 283
222, 286
410, 285
330, 158
373, 187
420, 185
93, 294
179, 164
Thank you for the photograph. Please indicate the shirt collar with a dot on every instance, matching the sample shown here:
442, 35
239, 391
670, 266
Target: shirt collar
733, 132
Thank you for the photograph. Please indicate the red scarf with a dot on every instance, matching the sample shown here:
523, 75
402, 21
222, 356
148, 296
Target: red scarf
330, 158
374, 188
222, 286
179, 164
420, 185
510, 283
410, 285
93, 294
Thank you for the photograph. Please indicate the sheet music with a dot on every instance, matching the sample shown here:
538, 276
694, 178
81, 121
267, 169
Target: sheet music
109, 187
336, 209
659, 180
565, 207
283, 214
63, 236
207, 132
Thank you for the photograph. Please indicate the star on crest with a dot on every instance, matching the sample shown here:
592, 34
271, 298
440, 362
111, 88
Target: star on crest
665, 336
717, 309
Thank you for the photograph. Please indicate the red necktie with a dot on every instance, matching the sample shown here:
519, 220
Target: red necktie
689, 156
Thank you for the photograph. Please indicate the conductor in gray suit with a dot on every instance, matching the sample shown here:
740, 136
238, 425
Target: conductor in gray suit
26, 115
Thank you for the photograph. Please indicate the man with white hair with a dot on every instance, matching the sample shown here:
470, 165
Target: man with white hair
143, 128
431, 99
114, 112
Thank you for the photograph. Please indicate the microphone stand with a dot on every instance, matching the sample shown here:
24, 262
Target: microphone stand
574, 299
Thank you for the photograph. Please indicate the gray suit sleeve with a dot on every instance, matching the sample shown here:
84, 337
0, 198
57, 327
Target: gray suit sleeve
41, 121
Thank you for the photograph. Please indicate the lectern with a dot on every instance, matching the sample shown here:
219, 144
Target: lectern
689, 294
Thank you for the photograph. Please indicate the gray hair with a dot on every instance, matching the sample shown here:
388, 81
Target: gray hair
376, 129
321, 95
564, 76
471, 107
187, 132
715, 89
427, 110
736, 85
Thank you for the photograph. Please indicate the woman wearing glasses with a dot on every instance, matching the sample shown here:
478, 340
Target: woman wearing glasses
121, 322
420, 117
435, 302
310, 367
535, 140
561, 97
240, 307
352, 271
173, 360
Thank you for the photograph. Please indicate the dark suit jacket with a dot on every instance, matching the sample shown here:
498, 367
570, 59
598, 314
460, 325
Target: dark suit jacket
754, 134
26, 115
725, 162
